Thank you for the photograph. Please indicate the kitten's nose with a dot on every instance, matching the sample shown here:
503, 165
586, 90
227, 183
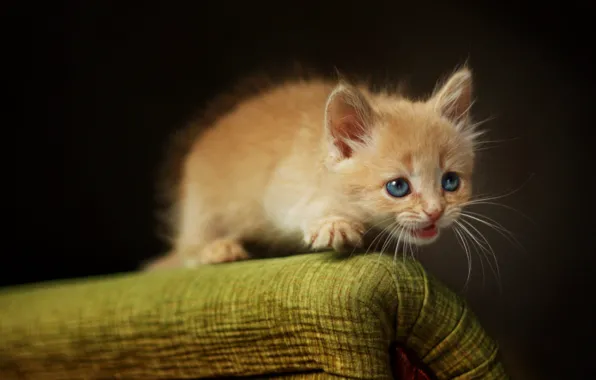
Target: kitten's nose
434, 214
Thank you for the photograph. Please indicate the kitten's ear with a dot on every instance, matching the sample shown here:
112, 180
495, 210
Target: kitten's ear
454, 99
348, 121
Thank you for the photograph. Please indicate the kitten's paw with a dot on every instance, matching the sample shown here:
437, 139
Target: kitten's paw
168, 261
337, 233
218, 251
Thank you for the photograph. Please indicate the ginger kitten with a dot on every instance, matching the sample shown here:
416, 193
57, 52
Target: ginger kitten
314, 164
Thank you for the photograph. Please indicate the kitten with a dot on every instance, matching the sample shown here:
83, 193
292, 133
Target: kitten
313, 164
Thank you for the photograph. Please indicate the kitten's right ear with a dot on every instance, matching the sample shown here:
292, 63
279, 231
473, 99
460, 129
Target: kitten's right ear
454, 99
348, 121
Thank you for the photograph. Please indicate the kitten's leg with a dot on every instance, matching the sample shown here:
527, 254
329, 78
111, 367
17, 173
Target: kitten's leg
204, 236
169, 260
334, 232
217, 251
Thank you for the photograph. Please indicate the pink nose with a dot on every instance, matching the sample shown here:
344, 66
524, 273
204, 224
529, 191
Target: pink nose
434, 215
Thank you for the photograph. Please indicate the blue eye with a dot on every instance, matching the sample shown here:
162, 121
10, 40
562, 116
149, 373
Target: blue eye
398, 188
450, 181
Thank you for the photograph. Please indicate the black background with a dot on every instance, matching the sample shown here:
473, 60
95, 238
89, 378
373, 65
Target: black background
100, 85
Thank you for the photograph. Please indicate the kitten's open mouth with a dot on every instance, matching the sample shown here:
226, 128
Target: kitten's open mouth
426, 232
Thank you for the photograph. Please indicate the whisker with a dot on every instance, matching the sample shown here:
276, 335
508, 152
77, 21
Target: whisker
384, 232
484, 202
486, 251
409, 231
401, 231
487, 199
378, 235
511, 192
354, 249
464, 245
388, 239
491, 222
484, 145
415, 247
478, 123
378, 238
395, 233
494, 225
378, 223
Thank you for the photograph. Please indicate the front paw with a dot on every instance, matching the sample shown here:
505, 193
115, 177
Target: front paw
337, 233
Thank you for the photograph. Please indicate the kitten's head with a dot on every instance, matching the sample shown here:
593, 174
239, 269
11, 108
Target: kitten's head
407, 165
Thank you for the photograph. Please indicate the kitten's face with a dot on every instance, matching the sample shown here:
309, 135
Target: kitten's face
415, 178
411, 171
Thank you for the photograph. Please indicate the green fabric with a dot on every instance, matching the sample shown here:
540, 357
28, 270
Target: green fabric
307, 316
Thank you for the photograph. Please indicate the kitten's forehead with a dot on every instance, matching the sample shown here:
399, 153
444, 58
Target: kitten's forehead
415, 139
413, 123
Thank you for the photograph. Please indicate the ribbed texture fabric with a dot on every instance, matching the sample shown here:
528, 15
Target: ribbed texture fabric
306, 316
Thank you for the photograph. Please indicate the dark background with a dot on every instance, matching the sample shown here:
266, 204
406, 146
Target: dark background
101, 84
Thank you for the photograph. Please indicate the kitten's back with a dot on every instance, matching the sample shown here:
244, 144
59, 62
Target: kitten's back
230, 162
247, 142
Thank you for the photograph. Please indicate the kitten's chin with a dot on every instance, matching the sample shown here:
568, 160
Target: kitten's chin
422, 241
424, 236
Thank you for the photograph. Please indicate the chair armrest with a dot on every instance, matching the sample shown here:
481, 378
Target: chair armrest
315, 315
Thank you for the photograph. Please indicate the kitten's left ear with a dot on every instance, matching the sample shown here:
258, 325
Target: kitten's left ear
348, 121
454, 99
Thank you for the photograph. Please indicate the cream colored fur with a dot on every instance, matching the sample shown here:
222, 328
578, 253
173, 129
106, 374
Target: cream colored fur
306, 163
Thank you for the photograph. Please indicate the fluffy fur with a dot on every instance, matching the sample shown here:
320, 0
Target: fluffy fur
305, 163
